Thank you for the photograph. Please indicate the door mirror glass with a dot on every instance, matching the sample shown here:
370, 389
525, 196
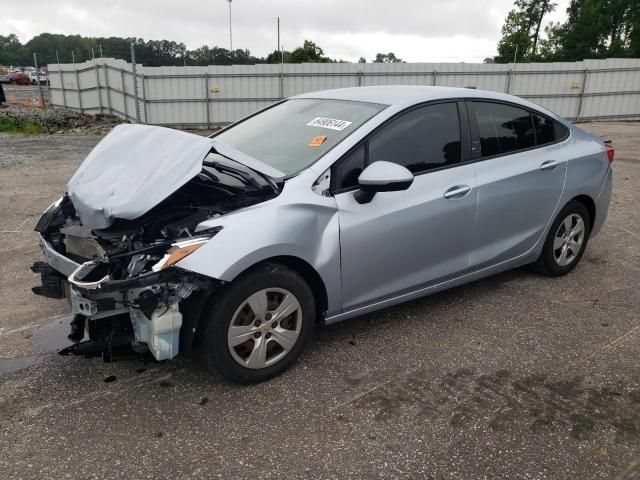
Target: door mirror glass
382, 176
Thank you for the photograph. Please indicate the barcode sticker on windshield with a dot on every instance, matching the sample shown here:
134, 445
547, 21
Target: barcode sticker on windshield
331, 123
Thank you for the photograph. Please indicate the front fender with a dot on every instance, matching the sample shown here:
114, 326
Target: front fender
307, 229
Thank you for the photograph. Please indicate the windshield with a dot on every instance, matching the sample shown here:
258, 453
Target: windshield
294, 134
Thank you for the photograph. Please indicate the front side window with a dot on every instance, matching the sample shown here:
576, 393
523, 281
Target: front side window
421, 140
291, 136
502, 128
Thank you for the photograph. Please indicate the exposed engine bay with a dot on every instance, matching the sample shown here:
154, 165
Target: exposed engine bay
121, 280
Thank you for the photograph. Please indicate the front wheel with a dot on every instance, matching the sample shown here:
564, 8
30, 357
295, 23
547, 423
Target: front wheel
258, 325
566, 241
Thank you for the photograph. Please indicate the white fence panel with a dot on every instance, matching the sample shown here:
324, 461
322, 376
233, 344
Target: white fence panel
217, 95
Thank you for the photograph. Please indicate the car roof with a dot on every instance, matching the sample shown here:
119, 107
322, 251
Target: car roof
406, 95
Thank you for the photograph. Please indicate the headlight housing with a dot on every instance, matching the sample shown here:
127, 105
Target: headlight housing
184, 248
178, 251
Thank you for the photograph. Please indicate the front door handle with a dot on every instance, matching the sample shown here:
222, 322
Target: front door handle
548, 165
458, 191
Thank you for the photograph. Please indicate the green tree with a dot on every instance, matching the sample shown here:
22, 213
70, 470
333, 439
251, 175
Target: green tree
50, 46
521, 30
11, 50
387, 58
595, 29
309, 53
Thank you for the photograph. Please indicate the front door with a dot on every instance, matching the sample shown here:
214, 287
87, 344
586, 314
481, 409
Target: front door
403, 241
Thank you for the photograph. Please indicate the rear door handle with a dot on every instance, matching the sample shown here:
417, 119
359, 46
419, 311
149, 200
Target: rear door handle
548, 165
458, 191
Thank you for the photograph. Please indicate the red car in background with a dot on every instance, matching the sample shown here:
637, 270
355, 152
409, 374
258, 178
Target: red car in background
19, 78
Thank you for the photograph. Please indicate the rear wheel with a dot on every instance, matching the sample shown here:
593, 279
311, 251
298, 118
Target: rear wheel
566, 241
259, 324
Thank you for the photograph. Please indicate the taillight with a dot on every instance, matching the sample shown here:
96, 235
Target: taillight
610, 151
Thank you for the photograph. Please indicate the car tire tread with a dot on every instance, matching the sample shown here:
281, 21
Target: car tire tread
213, 349
546, 264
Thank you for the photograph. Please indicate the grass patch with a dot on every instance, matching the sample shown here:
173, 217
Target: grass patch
31, 128
9, 125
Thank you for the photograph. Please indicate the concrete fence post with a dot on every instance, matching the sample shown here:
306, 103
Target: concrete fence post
78, 89
61, 73
124, 96
507, 88
95, 67
106, 84
583, 88
135, 82
206, 96
282, 84
144, 98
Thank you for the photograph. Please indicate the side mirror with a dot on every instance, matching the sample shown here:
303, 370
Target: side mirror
382, 176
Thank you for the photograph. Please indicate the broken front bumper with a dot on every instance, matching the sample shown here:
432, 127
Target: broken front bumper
149, 300
55, 260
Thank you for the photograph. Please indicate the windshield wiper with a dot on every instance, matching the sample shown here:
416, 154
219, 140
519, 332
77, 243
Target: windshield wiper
238, 174
243, 176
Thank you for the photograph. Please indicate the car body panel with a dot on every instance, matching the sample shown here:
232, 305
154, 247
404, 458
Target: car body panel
407, 239
509, 222
298, 223
602, 203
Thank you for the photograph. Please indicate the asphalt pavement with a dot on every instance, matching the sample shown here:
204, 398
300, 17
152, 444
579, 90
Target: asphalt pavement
516, 376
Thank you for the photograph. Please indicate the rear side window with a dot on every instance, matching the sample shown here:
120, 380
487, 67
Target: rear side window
548, 131
421, 140
502, 128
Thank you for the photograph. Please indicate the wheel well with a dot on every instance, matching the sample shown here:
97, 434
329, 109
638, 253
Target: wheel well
589, 205
310, 275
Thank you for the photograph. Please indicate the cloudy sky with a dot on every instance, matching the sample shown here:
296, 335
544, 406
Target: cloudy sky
415, 30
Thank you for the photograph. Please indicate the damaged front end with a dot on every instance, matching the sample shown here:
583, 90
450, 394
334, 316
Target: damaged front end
120, 274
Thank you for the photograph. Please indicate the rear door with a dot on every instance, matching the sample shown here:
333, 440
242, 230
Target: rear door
521, 172
402, 241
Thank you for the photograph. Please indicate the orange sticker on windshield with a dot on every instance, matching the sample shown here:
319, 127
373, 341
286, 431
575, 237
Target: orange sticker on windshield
317, 141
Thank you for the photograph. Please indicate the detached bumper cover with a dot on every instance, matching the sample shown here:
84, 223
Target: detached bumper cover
57, 261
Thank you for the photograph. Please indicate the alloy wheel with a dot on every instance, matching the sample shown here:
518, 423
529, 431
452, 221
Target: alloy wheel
568, 240
264, 328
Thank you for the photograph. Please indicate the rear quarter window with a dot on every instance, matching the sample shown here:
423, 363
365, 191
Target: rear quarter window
547, 130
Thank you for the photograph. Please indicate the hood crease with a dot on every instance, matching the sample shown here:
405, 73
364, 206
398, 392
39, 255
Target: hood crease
133, 169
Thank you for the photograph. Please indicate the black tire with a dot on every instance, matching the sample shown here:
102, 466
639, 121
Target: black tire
546, 263
219, 313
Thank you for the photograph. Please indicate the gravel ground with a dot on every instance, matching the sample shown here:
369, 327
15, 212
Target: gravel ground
516, 376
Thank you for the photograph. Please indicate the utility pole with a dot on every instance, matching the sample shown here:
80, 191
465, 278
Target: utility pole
278, 36
134, 73
35, 64
230, 31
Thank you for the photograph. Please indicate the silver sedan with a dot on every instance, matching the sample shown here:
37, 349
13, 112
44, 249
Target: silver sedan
319, 208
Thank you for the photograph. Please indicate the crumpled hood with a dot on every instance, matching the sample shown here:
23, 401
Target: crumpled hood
132, 169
